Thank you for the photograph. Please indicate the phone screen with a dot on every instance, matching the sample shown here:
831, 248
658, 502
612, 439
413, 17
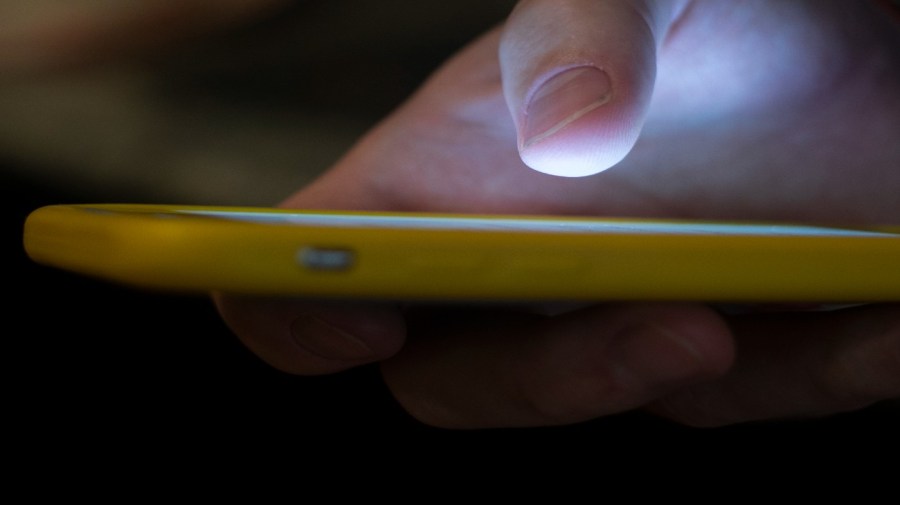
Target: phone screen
574, 225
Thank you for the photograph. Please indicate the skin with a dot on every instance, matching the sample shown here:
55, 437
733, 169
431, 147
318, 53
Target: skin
757, 110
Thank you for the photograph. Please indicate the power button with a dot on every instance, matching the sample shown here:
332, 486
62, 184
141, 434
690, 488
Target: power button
325, 259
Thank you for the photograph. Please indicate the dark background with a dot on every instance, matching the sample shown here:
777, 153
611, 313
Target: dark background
98, 368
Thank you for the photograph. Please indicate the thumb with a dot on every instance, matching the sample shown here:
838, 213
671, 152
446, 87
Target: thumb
578, 76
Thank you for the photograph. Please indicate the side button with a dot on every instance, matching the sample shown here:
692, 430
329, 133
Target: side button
325, 259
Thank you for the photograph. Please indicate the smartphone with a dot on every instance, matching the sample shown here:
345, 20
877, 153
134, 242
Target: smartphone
421, 256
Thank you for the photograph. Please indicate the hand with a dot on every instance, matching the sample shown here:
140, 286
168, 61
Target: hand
762, 110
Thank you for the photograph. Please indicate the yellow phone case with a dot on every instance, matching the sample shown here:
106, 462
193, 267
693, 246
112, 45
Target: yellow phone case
439, 257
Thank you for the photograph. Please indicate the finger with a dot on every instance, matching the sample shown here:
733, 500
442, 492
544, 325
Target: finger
528, 370
799, 365
578, 76
309, 338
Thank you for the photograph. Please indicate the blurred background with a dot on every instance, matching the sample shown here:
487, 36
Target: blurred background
236, 102
230, 102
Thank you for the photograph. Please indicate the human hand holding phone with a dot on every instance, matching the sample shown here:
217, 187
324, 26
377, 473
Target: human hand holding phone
803, 127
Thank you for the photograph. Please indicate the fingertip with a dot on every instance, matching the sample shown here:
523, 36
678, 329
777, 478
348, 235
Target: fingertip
703, 334
578, 76
798, 364
621, 357
577, 124
650, 350
306, 338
